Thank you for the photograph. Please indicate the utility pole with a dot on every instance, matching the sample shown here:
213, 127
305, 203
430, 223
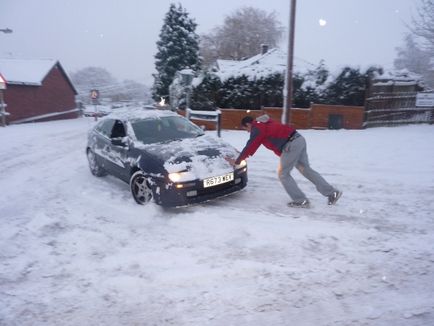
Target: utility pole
3, 112
2, 109
288, 89
2, 103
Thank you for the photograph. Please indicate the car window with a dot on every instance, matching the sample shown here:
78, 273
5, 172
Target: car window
105, 127
118, 130
164, 129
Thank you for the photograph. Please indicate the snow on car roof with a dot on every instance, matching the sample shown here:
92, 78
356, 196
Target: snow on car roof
136, 113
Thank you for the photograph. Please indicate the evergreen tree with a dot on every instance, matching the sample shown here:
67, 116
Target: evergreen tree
350, 86
178, 48
311, 87
237, 92
269, 90
299, 95
206, 94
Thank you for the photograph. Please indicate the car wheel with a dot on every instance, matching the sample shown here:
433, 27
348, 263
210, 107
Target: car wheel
140, 188
95, 168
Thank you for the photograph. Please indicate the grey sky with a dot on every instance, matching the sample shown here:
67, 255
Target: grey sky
121, 35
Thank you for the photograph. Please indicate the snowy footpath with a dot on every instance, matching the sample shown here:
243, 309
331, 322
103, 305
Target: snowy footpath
77, 250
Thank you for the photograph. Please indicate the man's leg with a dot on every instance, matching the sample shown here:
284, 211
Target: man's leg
303, 166
288, 159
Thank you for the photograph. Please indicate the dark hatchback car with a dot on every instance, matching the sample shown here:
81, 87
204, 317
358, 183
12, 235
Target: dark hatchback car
164, 157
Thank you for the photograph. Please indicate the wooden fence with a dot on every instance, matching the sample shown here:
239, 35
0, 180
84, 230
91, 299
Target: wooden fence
389, 109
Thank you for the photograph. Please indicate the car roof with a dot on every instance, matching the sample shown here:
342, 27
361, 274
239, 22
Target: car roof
139, 113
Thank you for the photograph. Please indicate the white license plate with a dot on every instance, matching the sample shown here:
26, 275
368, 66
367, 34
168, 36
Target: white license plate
214, 181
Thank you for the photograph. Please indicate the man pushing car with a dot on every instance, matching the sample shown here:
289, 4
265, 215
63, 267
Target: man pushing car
290, 146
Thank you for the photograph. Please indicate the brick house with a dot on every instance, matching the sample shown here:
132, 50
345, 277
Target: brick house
37, 90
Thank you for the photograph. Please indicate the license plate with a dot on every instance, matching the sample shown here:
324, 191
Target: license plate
214, 181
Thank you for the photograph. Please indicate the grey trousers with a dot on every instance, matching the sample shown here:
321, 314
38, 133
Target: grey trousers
294, 154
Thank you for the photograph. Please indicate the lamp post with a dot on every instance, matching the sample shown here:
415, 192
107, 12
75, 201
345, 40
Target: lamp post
187, 76
6, 30
288, 90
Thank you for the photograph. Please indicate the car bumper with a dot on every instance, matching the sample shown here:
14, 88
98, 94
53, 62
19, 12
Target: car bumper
183, 194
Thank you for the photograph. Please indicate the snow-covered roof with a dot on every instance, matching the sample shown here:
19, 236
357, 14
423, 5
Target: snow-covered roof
260, 65
25, 71
397, 77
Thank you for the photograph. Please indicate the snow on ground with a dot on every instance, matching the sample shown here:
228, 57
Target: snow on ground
76, 249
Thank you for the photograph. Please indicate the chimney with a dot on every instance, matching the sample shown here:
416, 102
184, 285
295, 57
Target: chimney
264, 48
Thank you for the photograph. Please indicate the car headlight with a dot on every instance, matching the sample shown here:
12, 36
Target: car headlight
175, 176
242, 164
181, 176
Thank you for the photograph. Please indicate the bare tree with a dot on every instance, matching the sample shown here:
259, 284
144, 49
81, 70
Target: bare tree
417, 53
108, 86
241, 35
411, 56
423, 25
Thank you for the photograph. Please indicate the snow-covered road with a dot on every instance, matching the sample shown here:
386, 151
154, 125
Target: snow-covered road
77, 250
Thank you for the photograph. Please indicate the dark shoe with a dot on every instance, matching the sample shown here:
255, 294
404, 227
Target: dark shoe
300, 204
333, 198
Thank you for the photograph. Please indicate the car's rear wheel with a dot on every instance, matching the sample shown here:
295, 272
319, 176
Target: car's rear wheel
95, 168
140, 188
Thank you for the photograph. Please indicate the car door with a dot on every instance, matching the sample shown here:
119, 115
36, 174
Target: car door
103, 131
117, 152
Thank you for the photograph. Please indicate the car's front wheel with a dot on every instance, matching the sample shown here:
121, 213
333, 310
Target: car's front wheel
140, 188
95, 168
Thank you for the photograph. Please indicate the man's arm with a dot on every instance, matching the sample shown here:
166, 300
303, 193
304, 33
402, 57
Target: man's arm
252, 145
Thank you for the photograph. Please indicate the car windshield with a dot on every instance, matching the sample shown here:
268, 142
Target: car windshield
164, 129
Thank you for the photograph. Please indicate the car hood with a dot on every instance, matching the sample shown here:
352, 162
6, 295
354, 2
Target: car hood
202, 156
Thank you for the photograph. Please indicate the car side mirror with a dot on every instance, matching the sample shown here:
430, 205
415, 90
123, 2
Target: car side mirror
119, 141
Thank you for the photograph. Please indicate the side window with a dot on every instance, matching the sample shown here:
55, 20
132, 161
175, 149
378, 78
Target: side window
118, 130
105, 127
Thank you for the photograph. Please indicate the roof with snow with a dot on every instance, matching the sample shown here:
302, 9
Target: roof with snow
401, 77
260, 65
30, 72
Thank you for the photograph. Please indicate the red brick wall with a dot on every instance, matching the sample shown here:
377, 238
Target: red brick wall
301, 118
315, 117
55, 95
352, 115
231, 117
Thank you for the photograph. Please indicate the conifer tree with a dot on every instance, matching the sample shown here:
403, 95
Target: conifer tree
178, 48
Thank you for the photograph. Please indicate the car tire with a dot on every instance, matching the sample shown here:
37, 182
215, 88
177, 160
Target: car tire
94, 166
140, 188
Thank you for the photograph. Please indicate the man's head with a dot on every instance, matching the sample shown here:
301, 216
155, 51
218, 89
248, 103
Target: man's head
246, 123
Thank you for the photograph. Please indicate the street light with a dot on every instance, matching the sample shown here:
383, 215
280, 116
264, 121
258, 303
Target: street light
286, 114
6, 30
187, 76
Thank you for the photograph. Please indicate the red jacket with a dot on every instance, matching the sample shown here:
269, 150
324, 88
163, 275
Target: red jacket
272, 134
